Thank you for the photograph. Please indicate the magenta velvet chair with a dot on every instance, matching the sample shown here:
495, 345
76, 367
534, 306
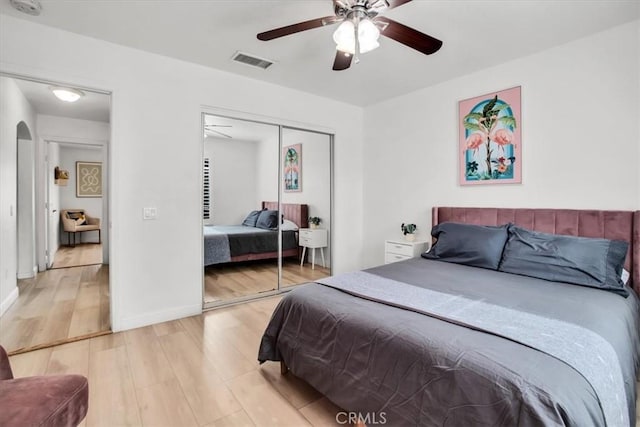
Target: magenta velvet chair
47, 400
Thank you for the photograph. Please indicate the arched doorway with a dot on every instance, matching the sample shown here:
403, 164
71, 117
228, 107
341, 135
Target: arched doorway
25, 202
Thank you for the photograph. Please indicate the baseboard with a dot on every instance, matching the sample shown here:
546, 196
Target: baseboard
13, 296
28, 275
159, 317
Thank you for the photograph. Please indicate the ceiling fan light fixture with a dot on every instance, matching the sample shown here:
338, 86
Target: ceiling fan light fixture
66, 94
368, 35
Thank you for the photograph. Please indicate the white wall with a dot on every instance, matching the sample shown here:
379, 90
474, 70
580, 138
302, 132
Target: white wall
54, 202
14, 108
25, 212
267, 174
156, 152
68, 199
233, 179
581, 139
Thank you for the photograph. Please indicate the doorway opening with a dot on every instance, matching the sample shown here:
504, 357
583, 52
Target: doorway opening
60, 165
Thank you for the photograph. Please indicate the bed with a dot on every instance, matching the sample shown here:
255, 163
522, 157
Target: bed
236, 243
529, 352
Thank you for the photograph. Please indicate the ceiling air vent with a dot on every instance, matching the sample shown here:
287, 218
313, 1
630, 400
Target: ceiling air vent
254, 61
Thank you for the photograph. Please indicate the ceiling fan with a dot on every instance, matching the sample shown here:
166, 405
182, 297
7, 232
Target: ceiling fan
361, 25
209, 129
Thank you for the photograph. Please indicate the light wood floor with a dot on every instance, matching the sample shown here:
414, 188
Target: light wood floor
81, 254
57, 304
197, 371
227, 281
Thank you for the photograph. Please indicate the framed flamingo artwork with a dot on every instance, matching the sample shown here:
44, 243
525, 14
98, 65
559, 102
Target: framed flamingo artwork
490, 143
292, 171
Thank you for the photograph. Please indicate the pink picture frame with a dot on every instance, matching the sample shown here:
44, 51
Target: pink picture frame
490, 138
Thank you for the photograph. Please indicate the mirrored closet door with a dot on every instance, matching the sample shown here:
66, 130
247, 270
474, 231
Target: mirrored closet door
265, 186
306, 160
241, 243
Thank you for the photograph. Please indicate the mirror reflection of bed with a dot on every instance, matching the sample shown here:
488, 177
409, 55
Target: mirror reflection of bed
248, 268
245, 228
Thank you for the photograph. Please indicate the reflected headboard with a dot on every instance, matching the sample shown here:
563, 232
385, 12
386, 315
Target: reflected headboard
614, 225
299, 214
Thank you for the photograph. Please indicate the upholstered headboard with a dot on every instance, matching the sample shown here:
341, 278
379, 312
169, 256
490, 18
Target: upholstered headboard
614, 225
299, 214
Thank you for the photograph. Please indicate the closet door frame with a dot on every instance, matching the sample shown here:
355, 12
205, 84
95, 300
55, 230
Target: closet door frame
281, 124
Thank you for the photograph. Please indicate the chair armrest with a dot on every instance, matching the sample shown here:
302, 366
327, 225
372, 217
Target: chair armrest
68, 224
5, 366
93, 221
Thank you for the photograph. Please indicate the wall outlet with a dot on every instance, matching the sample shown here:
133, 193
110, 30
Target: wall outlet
149, 213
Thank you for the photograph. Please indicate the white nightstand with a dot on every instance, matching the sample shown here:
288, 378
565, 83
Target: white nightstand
313, 238
399, 250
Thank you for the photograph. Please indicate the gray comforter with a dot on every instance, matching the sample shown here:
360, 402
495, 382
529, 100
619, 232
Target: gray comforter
429, 370
222, 242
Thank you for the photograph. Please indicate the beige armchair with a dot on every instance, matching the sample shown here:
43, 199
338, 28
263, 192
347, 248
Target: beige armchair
72, 223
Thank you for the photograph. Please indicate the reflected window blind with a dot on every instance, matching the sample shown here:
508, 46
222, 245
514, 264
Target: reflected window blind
206, 189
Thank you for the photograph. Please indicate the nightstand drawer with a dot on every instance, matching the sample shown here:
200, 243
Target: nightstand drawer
399, 249
306, 233
312, 238
305, 241
389, 257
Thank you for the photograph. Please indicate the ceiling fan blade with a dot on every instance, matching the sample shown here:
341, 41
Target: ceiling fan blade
220, 133
408, 36
296, 28
342, 61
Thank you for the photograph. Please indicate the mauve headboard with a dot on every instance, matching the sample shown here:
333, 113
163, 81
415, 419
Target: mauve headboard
299, 214
614, 225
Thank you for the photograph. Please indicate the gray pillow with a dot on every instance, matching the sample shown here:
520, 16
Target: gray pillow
474, 245
251, 219
582, 261
268, 220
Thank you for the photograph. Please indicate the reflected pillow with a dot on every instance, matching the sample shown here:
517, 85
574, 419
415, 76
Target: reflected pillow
251, 219
268, 220
474, 245
584, 261
289, 225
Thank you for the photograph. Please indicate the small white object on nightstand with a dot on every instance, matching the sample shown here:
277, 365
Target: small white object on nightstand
399, 250
313, 238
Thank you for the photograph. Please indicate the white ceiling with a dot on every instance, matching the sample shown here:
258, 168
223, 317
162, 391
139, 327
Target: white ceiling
92, 106
476, 33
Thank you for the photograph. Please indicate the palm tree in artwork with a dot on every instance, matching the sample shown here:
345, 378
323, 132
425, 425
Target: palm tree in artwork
494, 123
291, 168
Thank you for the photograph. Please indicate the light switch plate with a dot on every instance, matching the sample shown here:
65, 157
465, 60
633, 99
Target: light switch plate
149, 213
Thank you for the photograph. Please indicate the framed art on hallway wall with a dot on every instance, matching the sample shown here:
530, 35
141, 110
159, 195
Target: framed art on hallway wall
88, 179
490, 138
292, 170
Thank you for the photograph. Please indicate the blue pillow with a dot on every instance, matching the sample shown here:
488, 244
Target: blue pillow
251, 219
268, 220
474, 245
584, 261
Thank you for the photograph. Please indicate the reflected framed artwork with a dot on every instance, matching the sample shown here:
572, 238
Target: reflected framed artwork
490, 138
292, 168
88, 179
